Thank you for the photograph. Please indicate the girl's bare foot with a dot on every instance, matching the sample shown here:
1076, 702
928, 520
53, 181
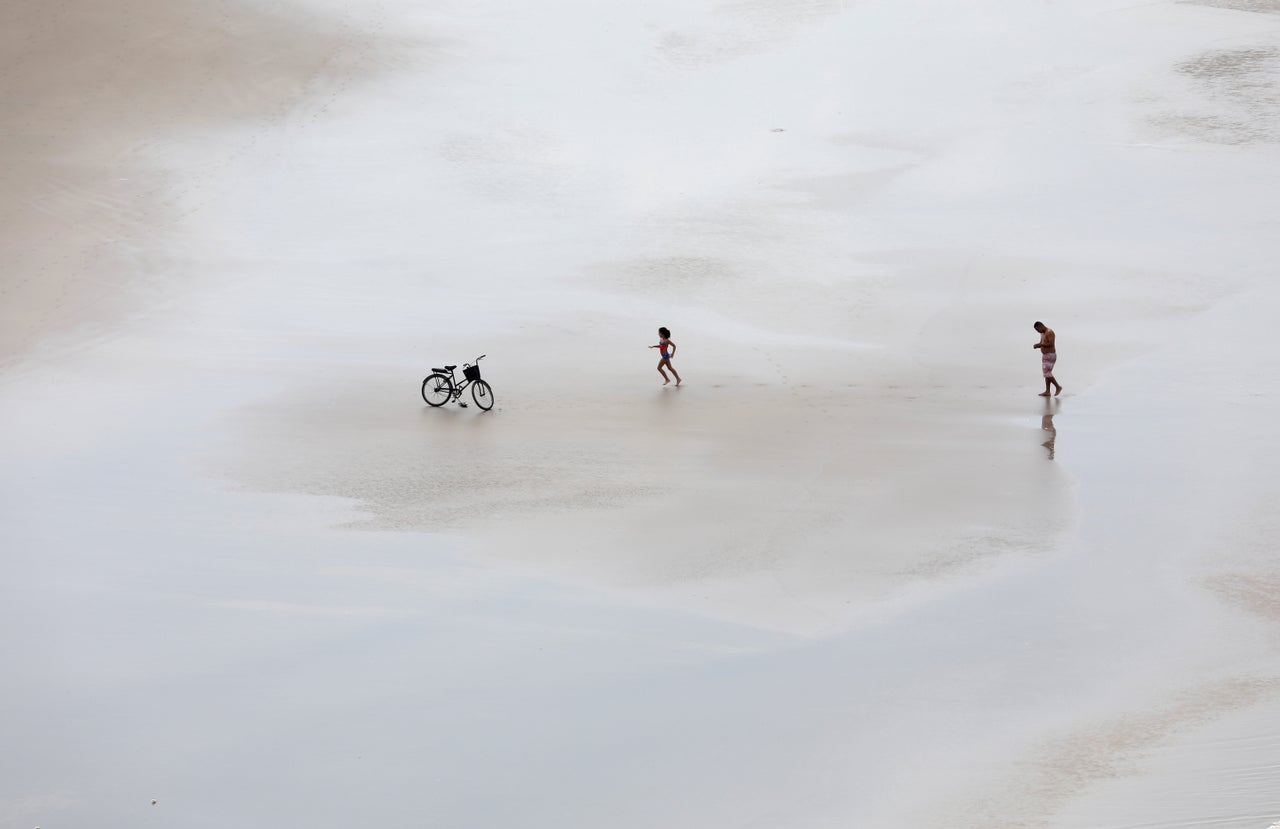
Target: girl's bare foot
678, 382
666, 382
1043, 394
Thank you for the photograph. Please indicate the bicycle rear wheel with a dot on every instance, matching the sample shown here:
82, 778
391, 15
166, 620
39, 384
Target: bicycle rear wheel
436, 390
482, 393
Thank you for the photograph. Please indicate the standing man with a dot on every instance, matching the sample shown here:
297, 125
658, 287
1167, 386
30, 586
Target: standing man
1048, 356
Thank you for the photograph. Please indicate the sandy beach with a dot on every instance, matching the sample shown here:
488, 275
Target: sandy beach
852, 572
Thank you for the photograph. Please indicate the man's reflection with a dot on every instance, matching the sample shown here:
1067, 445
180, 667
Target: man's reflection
1046, 424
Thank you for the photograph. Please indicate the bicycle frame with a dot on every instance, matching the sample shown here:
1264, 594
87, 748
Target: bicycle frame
456, 387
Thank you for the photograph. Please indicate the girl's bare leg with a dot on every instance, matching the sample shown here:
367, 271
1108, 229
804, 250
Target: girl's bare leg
671, 366
665, 379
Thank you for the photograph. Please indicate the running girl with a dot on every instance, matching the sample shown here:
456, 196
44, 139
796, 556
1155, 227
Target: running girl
668, 350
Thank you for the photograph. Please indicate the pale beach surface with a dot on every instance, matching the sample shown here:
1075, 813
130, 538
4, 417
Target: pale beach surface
854, 572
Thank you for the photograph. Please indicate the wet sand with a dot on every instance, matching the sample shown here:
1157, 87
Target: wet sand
120, 120
853, 572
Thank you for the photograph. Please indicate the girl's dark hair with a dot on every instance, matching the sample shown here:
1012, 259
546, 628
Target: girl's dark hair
663, 332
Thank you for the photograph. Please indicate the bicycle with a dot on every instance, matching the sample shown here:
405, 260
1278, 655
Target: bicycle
440, 386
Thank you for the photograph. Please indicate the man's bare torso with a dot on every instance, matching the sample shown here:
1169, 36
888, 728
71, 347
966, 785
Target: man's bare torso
1046, 342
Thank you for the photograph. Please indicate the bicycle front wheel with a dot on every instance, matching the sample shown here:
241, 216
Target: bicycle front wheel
436, 390
482, 393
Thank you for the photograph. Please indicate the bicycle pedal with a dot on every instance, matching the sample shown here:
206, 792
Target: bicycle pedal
463, 405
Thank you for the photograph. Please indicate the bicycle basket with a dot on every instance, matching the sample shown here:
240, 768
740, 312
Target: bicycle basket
471, 373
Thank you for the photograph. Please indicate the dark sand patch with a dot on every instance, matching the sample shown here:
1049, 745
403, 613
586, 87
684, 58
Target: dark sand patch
1241, 93
100, 100
1255, 592
1071, 766
1261, 6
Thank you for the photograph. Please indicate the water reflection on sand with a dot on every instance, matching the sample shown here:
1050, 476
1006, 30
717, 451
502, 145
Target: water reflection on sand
1047, 425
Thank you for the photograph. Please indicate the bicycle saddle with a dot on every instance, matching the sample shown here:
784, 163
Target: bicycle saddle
443, 370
